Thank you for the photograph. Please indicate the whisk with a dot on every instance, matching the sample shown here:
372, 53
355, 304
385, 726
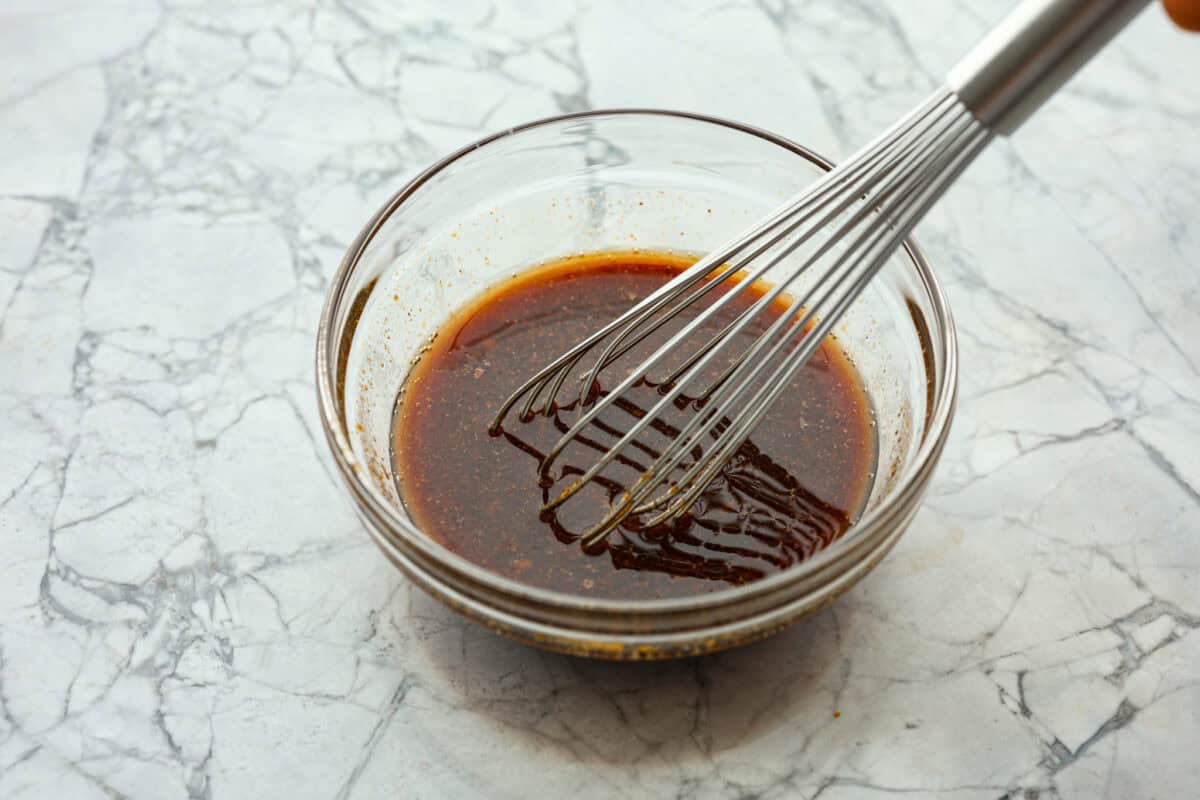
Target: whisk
849, 222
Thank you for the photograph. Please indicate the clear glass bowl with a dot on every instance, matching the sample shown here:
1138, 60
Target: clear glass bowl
612, 180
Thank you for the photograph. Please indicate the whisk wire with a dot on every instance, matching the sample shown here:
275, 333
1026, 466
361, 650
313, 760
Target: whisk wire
832, 181
900, 147
670, 291
879, 196
796, 212
759, 404
793, 318
875, 245
863, 209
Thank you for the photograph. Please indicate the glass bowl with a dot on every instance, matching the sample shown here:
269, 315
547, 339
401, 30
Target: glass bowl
598, 181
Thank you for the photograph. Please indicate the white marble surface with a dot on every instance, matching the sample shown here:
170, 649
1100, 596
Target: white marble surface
189, 609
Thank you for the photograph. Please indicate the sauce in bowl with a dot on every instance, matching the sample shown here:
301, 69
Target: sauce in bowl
795, 486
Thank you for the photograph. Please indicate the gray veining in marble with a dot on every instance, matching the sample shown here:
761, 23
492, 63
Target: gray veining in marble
188, 607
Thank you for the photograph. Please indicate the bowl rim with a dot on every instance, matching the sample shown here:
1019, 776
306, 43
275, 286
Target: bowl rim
370, 502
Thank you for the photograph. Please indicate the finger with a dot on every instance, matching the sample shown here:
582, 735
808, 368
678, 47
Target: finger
1184, 13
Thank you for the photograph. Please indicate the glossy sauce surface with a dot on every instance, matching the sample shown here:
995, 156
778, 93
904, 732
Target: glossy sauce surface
792, 488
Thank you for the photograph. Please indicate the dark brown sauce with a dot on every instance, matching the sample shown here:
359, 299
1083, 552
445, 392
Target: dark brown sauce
793, 488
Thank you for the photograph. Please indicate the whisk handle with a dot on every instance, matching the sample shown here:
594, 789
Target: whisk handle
1031, 53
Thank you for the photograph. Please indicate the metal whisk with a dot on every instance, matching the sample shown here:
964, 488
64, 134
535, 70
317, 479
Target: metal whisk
849, 222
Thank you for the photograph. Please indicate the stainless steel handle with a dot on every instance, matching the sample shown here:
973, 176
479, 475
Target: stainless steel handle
1031, 53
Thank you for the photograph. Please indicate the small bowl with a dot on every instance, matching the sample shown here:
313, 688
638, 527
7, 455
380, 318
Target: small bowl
596, 181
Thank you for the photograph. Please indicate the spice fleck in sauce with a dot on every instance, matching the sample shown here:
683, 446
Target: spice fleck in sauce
792, 488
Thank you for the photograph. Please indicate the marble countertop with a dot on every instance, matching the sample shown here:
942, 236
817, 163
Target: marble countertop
188, 607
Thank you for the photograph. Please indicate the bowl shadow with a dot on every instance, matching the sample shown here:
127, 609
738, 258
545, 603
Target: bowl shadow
624, 712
